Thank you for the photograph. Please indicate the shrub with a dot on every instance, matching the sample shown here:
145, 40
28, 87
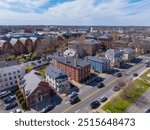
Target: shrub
18, 92
21, 99
19, 95
23, 104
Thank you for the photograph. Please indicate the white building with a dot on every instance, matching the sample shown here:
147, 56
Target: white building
9, 76
57, 79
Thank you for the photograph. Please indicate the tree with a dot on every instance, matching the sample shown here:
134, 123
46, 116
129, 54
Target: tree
23, 104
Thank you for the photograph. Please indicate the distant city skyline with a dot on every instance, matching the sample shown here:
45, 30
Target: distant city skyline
75, 12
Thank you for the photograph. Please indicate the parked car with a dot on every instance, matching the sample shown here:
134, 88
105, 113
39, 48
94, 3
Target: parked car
4, 94
74, 100
10, 105
147, 111
16, 111
72, 94
135, 74
95, 104
9, 98
116, 88
100, 85
47, 108
118, 75
103, 98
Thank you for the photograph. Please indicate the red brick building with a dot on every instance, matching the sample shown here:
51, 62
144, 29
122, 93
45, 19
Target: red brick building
90, 46
34, 91
77, 69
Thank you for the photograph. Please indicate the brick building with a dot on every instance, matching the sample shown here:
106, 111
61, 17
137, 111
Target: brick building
90, 46
77, 69
34, 91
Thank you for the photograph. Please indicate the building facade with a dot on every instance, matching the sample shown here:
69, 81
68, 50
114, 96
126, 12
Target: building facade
128, 54
99, 64
76, 68
9, 76
57, 79
34, 91
115, 57
90, 46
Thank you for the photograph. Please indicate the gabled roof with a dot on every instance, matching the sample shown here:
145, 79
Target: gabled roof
55, 73
13, 41
32, 80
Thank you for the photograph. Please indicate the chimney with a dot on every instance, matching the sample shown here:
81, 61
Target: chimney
77, 56
75, 62
65, 60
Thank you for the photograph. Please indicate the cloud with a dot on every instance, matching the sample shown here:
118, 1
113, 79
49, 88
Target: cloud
78, 12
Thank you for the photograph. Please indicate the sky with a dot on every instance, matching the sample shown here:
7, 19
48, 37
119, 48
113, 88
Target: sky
75, 12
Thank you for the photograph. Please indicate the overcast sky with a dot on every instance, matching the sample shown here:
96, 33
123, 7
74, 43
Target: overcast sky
75, 12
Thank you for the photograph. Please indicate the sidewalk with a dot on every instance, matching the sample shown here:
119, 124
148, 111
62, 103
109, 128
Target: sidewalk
100, 110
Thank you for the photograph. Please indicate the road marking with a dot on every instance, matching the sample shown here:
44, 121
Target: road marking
87, 97
96, 91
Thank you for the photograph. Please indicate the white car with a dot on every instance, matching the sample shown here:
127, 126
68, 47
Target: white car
16, 111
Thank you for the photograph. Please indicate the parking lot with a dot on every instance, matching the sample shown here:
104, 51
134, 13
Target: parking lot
2, 107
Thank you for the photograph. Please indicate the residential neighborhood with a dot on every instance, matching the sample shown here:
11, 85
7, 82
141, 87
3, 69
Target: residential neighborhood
77, 72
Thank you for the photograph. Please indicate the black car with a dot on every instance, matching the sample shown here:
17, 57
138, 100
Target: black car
10, 105
103, 99
95, 104
9, 98
4, 94
74, 100
47, 108
147, 111
100, 85
118, 75
135, 74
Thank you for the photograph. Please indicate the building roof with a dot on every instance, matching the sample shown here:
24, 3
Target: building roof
77, 63
87, 41
128, 50
30, 85
13, 41
2, 42
69, 53
111, 52
23, 39
103, 37
33, 39
8, 63
11, 68
55, 73
90, 41
97, 59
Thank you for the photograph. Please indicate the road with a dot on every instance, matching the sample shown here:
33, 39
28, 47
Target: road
88, 93
141, 105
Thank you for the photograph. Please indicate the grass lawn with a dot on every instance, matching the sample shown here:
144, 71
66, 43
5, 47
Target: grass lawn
42, 70
120, 104
144, 76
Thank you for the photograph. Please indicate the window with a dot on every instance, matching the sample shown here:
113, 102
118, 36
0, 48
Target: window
19, 76
6, 84
11, 83
4, 74
15, 77
5, 79
10, 78
14, 72
9, 73
18, 71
